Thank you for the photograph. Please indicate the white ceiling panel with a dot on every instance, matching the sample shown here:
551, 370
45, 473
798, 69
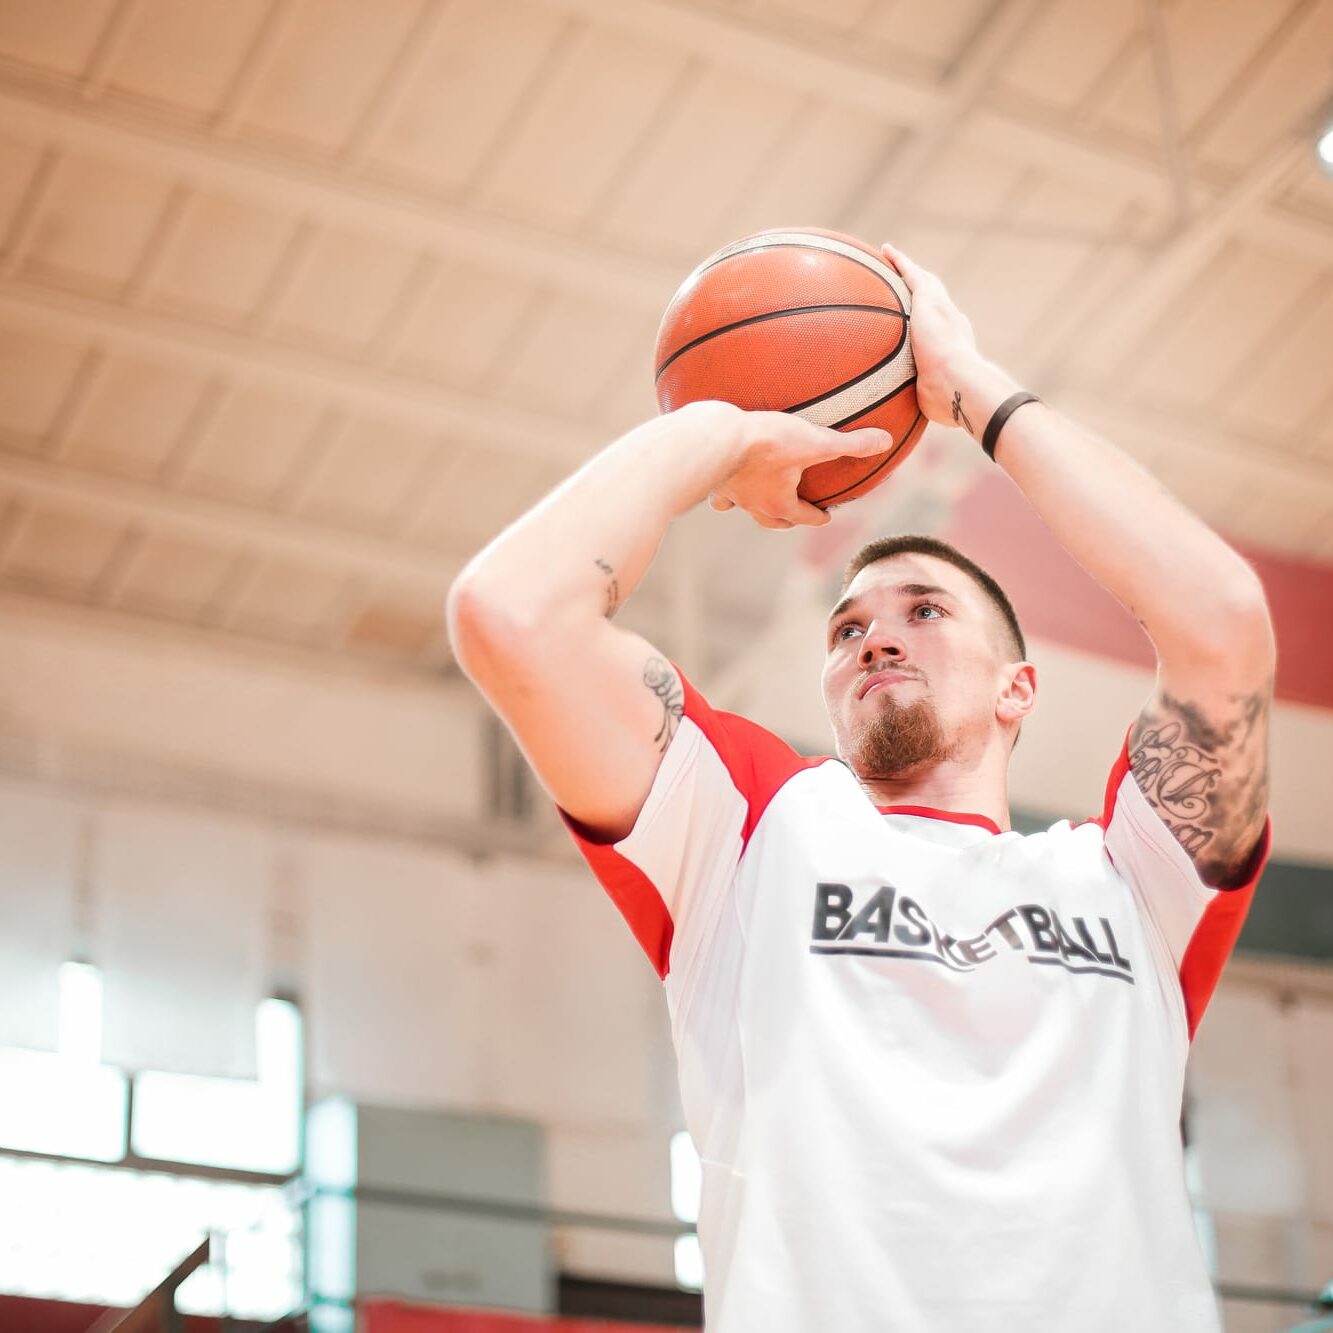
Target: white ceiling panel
284, 600
465, 315
317, 72
59, 550
96, 248
933, 33
1286, 379
221, 256
564, 152
689, 176
341, 288
186, 55
1287, 90
458, 101
250, 445
175, 577
1209, 45
38, 373
132, 416
59, 34
1214, 326
1067, 50
823, 155
366, 472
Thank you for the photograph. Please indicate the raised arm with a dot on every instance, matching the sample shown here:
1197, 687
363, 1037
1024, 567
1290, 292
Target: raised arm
594, 706
1199, 748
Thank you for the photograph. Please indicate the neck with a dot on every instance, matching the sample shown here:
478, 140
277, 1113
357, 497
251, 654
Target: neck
959, 786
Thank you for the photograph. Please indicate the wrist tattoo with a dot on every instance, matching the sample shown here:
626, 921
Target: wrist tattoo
660, 678
959, 416
612, 588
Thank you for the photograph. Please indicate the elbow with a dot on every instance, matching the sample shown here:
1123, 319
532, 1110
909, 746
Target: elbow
473, 624
1240, 625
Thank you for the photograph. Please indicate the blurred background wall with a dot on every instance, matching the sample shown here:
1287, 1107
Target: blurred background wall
302, 300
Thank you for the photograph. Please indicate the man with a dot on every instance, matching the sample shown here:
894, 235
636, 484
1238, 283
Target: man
933, 1068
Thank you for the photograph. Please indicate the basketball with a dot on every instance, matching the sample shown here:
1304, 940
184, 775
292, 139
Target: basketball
805, 321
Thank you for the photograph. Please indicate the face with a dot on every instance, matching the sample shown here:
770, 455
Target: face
915, 669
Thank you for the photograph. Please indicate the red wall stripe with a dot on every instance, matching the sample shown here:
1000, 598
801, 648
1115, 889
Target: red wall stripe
1056, 600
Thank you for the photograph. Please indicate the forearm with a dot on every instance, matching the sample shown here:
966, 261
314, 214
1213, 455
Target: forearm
1183, 583
582, 550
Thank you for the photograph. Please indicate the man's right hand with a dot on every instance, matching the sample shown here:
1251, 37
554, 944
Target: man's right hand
773, 449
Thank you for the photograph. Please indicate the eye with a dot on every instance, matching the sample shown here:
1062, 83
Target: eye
928, 606
840, 633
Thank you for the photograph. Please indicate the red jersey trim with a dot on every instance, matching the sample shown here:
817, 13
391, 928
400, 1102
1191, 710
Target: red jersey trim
634, 894
759, 765
952, 816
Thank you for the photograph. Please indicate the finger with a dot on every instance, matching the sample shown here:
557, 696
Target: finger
767, 521
863, 443
818, 443
912, 271
811, 515
721, 503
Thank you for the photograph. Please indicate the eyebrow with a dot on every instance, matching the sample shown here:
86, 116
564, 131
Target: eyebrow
903, 590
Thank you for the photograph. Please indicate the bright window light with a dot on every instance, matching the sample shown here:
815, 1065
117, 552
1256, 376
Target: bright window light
81, 1013
1324, 148
689, 1263
105, 1235
686, 1178
248, 1126
66, 1103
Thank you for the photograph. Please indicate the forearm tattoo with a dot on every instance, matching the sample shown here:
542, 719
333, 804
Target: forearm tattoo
959, 416
612, 588
663, 682
1207, 778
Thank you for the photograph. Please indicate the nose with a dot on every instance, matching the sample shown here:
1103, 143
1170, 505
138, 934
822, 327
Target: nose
878, 645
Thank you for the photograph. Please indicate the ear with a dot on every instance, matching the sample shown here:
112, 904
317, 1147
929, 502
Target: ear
1018, 697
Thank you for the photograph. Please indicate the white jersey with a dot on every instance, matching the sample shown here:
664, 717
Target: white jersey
933, 1070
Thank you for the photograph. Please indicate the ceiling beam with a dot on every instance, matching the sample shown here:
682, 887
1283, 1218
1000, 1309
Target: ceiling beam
39, 481
962, 88
170, 339
837, 70
1178, 262
43, 108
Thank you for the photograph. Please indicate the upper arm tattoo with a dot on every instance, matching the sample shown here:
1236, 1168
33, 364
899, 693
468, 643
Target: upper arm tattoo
612, 588
663, 681
1206, 775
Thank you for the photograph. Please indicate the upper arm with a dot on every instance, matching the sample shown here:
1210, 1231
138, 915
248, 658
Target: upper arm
1199, 753
593, 706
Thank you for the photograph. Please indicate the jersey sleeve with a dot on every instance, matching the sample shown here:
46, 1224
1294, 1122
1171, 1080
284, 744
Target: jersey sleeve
673, 872
1198, 924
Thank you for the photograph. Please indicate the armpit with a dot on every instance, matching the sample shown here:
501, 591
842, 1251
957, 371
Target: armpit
1204, 769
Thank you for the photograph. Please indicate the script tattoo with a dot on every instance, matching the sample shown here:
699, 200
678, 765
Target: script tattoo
1206, 775
660, 678
612, 588
959, 416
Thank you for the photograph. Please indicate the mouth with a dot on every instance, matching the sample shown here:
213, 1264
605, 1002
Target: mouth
880, 680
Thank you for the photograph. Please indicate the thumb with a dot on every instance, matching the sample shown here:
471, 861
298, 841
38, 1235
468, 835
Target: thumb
864, 443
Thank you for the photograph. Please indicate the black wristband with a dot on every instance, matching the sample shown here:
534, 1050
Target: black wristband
991, 435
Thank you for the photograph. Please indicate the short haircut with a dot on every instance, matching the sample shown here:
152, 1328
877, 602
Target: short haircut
884, 548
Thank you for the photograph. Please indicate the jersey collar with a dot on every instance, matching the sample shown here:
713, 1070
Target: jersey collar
950, 816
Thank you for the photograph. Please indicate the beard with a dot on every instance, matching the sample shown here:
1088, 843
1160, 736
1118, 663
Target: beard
898, 739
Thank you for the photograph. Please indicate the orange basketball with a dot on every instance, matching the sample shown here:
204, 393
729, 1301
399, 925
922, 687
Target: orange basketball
802, 321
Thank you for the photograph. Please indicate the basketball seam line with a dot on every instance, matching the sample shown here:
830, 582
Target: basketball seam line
774, 314
892, 454
798, 245
864, 375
